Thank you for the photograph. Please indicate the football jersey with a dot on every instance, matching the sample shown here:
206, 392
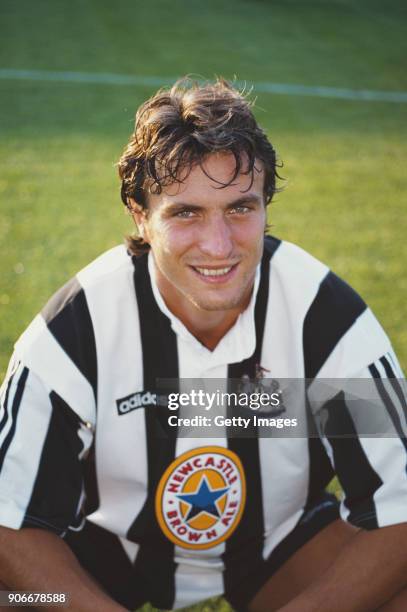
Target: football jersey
83, 434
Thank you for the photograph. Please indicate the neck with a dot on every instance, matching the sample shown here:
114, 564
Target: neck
207, 326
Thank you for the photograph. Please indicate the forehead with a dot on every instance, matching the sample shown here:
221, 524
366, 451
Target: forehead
207, 180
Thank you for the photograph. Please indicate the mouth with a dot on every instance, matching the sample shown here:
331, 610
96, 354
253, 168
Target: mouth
215, 274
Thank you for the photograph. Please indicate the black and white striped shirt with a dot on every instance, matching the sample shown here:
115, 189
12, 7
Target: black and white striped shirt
66, 449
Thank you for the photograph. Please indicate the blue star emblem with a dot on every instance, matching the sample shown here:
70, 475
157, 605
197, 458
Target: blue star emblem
203, 500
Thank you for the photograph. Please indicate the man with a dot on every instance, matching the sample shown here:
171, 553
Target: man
173, 519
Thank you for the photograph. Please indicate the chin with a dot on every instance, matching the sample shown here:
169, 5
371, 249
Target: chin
213, 305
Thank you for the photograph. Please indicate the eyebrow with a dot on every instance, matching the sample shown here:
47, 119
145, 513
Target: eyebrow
246, 199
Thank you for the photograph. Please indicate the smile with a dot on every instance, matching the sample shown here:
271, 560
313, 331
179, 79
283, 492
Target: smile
212, 272
215, 275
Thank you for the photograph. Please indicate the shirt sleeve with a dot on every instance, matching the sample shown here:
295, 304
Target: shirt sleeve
356, 394
363, 427
42, 444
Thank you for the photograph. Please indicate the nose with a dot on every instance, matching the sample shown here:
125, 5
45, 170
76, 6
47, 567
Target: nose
216, 240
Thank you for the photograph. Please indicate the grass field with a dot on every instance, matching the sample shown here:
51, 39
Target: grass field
344, 160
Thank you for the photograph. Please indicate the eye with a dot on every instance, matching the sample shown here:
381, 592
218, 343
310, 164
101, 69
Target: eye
240, 210
185, 214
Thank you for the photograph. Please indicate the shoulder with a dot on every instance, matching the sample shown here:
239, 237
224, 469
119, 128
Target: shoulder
105, 270
292, 263
63, 333
338, 331
304, 273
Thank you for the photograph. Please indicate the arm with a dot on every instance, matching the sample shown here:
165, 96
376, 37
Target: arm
41, 484
38, 560
369, 571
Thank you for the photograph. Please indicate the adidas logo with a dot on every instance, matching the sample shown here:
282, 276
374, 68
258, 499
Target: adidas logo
141, 399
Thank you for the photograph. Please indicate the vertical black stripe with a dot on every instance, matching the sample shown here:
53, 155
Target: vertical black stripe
357, 477
68, 318
334, 310
14, 413
160, 360
395, 383
101, 553
58, 484
90, 481
387, 402
387, 367
247, 540
321, 471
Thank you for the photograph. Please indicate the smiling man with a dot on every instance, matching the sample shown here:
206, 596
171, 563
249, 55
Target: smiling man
104, 499
207, 243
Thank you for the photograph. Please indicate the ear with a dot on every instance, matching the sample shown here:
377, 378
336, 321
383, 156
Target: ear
139, 215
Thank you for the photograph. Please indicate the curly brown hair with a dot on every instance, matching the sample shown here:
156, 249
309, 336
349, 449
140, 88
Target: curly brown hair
177, 128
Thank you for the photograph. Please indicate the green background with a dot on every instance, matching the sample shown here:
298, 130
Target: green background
344, 160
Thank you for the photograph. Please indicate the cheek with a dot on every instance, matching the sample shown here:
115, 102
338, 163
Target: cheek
173, 240
251, 232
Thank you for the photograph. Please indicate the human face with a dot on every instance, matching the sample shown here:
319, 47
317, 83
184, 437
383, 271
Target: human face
206, 241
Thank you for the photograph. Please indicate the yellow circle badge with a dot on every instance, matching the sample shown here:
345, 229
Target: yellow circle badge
201, 497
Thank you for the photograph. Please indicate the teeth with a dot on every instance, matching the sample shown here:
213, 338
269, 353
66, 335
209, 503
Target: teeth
218, 272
